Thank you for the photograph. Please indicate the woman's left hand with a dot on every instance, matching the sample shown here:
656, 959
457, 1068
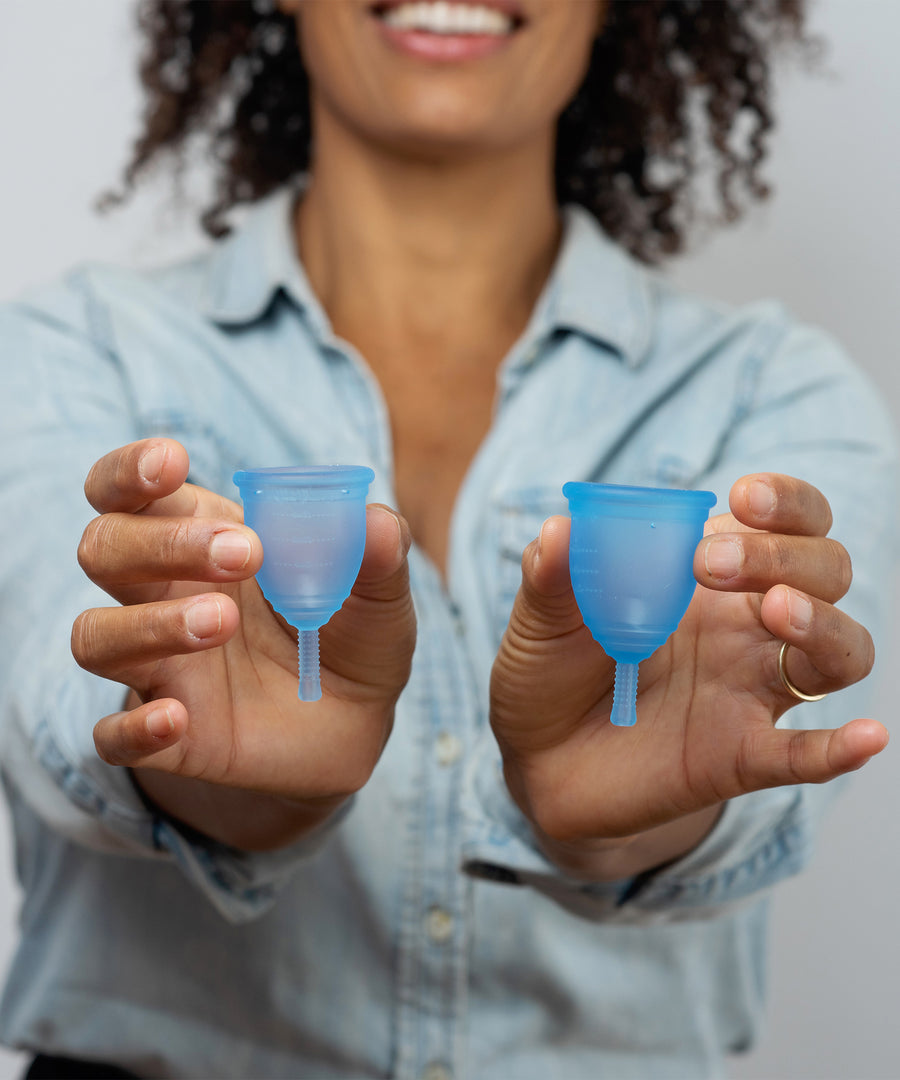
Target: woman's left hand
708, 699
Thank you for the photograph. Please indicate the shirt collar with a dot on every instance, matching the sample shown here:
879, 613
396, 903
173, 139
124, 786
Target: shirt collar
595, 289
598, 290
256, 261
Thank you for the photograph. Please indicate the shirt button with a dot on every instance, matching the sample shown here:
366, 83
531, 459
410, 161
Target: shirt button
448, 748
434, 1070
439, 925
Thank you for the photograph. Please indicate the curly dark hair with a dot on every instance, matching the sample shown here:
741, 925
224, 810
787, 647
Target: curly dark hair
669, 82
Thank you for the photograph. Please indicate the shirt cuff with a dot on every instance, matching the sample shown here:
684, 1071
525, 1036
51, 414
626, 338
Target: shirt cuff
53, 764
241, 885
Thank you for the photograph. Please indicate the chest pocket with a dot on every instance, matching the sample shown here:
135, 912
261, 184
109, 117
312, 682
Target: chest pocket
213, 459
517, 520
517, 516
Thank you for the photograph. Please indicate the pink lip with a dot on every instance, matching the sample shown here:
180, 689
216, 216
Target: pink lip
448, 47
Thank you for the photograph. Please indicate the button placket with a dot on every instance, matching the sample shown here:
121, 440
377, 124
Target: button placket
430, 1037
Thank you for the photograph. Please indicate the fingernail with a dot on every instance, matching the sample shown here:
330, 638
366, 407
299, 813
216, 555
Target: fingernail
150, 465
541, 539
203, 619
160, 723
799, 612
761, 498
724, 558
230, 550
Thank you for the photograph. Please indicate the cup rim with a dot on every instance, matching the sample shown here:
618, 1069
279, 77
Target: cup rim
302, 476
632, 495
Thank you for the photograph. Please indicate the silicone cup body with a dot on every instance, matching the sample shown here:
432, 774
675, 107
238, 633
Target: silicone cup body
631, 562
312, 524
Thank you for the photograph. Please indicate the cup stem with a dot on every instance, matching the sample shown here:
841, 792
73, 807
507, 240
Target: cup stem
308, 663
624, 709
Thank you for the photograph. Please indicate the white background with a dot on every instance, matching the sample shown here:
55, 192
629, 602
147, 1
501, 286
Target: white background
827, 245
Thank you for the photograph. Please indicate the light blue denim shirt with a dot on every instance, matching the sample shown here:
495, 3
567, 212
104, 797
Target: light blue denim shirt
421, 933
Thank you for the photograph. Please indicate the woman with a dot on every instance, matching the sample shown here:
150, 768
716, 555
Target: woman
453, 864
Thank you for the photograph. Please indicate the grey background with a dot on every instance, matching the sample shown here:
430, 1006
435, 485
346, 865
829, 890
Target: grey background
826, 245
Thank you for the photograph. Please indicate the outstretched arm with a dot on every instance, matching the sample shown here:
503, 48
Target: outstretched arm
608, 803
213, 728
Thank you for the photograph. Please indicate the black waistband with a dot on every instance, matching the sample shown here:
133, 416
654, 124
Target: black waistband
45, 1067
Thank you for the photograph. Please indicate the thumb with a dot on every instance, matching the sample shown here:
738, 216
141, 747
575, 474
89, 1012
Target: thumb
549, 671
545, 608
370, 641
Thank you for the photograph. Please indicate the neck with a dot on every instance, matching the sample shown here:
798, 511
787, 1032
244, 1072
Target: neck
398, 247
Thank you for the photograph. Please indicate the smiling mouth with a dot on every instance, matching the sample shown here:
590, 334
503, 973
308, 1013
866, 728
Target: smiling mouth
446, 18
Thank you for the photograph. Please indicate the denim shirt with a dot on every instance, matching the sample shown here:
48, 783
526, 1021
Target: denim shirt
420, 933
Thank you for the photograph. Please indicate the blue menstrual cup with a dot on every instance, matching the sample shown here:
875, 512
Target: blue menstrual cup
312, 524
631, 561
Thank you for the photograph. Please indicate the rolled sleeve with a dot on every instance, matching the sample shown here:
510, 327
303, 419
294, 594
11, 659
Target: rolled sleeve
801, 409
66, 403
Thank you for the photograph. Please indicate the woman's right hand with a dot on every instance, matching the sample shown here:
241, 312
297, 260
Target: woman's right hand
216, 734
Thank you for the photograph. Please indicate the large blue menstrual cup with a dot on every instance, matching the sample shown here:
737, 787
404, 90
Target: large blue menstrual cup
312, 524
631, 561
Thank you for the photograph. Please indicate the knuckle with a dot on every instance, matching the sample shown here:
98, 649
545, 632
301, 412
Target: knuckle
175, 540
745, 771
781, 557
149, 628
796, 761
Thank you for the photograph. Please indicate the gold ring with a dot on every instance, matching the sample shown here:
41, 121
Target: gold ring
786, 681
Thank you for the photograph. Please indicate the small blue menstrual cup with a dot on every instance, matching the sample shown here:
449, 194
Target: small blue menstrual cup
631, 561
312, 524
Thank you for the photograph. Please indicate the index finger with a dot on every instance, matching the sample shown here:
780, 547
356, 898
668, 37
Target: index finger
149, 476
780, 504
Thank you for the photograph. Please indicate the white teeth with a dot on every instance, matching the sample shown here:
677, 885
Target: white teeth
445, 17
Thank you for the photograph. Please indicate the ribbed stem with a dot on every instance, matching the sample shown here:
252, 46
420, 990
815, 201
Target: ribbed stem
308, 664
624, 710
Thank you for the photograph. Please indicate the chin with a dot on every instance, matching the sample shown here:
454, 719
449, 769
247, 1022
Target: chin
444, 135
445, 78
